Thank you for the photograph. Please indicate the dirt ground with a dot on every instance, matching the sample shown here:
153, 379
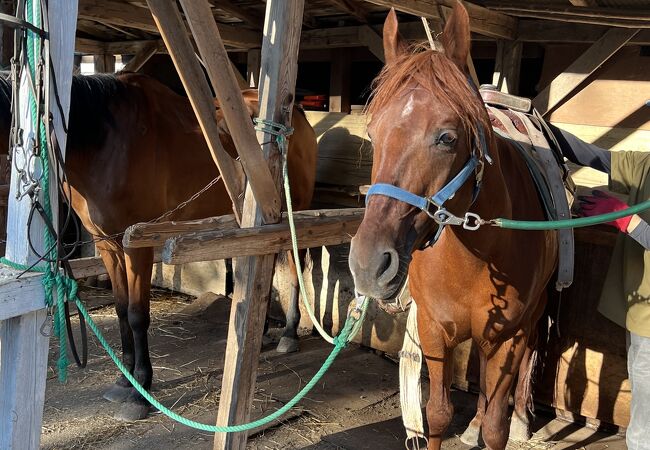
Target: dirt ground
354, 407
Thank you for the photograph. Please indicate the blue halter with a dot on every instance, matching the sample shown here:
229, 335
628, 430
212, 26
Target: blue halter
443, 217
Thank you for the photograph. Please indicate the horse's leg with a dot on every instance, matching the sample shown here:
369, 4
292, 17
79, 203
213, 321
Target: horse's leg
519, 423
230, 284
473, 430
502, 368
139, 262
439, 364
289, 340
113, 258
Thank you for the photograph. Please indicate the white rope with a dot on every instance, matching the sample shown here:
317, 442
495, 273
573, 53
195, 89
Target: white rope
410, 390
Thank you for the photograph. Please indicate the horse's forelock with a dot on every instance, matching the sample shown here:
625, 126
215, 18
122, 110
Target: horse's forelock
436, 73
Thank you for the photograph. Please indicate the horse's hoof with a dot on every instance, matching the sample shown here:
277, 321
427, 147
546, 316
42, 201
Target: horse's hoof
519, 429
470, 436
287, 345
267, 340
132, 411
117, 393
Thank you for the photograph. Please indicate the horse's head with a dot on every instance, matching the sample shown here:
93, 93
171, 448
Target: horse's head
425, 122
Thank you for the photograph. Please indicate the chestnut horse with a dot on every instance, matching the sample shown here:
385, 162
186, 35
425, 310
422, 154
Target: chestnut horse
429, 126
134, 152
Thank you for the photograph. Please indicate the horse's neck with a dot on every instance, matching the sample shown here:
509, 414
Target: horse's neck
495, 199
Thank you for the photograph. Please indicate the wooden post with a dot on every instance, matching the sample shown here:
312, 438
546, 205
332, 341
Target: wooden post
594, 57
104, 63
6, 35
253, 275
220, 72
507, 66
172, 30
340, 81
142, 56
24, 348
253, 67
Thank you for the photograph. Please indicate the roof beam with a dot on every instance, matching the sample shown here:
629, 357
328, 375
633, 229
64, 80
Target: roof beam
126, 15
248, 15
595, 56
482, 20
584, 3
352, 8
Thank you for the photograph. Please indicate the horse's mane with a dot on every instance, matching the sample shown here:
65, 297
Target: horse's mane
436, 73
90, 112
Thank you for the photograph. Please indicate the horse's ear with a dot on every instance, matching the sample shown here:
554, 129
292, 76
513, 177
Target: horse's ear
394, 44
456, 37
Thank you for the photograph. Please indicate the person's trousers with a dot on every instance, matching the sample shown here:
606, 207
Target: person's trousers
638, 366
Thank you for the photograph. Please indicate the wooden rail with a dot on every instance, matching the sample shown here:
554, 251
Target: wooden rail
330, 227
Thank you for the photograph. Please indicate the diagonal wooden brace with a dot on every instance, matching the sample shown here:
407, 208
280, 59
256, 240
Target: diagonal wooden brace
172, 29
214, 55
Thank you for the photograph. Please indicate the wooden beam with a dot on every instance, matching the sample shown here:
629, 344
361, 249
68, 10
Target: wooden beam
583, 3
156, 234
126, 15
23, 343
132, 47
482, 20
142, 56
235, 112
602, 13
339, 98
253, 274
246, 14
253, 62
352, 8
507, 66
568, 18
594, 57
104, 63
180, 48
90, 46
371, 39
328, 227
546, 31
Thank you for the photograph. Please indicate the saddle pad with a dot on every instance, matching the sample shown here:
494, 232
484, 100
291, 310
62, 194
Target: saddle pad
552, 178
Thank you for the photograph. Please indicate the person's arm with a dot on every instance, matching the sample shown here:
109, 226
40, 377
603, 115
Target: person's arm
639, 230
581, 153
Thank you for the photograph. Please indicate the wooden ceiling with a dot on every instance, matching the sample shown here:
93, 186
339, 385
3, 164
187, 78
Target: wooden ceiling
125, 24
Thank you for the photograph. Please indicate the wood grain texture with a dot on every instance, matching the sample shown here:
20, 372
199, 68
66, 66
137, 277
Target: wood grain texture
263, 240
253, 275
180, 48
220, 72
562, 86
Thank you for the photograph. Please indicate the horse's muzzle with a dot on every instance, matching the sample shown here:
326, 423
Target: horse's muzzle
378, 271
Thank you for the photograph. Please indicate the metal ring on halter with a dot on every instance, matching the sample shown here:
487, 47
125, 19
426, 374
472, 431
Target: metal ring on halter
472, 221
415, 442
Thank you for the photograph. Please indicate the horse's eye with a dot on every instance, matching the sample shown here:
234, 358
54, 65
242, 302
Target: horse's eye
447, 139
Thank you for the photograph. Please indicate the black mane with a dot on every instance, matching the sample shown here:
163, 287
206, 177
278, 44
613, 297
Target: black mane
90, 114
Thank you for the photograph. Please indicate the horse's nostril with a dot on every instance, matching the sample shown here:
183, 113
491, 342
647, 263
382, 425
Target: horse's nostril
385, 264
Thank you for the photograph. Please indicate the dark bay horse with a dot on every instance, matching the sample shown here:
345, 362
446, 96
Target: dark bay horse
134, 152
488, 285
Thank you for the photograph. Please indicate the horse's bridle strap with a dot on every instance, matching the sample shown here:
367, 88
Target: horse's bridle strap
423, 203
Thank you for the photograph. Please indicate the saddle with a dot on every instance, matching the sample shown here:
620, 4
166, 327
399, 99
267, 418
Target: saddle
514, 119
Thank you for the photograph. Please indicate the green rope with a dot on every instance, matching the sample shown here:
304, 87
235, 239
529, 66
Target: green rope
51, 276
67, 287
281, 132
569, 223
340, 342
